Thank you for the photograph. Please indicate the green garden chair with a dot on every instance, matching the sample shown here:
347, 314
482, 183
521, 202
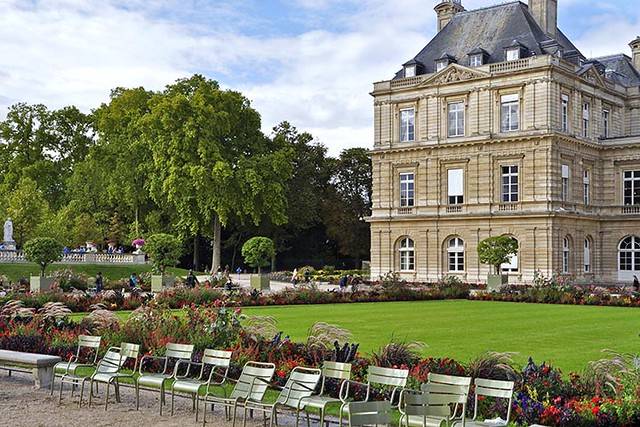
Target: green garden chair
158, 381
446, 401
415, 410
252, 384
302, 383
376, 377
217, 361
495, 389
86, 344
330, 370
369, 413
109, 372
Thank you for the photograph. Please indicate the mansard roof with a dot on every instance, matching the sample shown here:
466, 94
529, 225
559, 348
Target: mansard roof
619, 68
493, 28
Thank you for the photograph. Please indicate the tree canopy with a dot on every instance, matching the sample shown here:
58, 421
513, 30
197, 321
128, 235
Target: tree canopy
497, 250
43, 251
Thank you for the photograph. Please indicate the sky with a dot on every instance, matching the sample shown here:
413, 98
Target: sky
310, 62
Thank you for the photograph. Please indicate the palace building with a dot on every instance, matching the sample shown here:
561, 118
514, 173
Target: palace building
501, 126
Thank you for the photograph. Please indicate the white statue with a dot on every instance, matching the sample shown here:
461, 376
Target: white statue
8, 231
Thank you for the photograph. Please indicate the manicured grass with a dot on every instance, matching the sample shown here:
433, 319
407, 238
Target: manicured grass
566, 336
112, 272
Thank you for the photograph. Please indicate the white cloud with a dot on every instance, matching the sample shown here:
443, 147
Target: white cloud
61, 52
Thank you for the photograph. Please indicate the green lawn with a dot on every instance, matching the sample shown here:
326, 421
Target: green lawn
112, 272
566, 336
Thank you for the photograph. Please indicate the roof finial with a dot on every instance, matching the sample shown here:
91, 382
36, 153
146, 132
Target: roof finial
446, 9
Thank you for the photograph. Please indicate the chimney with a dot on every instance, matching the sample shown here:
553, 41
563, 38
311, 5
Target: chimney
545, 12
446, 9
635, 49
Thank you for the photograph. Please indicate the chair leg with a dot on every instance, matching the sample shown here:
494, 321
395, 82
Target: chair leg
53, 380
61, 385
81, 394
322, 417
161, 398
116, 384
106, 398
137, 396
173, 397
309, 421
197, 406
193, 402
204, 412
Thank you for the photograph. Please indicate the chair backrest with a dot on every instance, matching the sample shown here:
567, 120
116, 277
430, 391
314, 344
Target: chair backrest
387, 376
336, 371
257, 373
111, 362
494, 388
445, 400
302, 382
217, 358
448, 379
369, 413
130, 351
179, 351
90, 342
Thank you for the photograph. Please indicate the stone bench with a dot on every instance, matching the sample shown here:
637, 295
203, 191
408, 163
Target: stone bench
40, 365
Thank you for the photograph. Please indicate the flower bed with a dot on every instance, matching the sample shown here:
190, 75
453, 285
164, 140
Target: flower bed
607, 394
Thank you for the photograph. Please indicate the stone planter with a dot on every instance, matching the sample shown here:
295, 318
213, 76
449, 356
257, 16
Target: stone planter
40, 284
261, 282
160, 283
496, 281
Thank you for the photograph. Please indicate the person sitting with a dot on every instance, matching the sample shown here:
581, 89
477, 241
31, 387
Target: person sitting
99, 282
191, 280
133, 280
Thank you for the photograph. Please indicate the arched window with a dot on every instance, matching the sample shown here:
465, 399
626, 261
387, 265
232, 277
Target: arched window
407, 255
566, 252
629, 254
512, 265
455, 254
587, 255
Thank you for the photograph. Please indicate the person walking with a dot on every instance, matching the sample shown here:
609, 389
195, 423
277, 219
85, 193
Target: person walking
294, 277
99, 282
192, 280
133, 280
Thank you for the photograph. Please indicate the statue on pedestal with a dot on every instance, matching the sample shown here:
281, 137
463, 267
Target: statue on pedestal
8, 242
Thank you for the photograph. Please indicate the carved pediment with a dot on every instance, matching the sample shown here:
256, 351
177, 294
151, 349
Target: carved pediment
591, 75
454, 73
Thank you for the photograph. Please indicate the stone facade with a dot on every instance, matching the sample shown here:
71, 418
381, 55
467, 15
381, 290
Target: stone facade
565, 164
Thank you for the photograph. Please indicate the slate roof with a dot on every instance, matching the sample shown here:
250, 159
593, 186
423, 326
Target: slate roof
619, 68
492, 29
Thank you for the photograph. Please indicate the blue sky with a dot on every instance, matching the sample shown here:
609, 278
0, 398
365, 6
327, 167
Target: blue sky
311, 62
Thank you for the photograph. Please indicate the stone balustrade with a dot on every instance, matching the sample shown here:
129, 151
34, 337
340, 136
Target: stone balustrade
79, 258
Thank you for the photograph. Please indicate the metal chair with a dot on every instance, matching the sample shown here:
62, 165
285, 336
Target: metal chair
252, 384
216, 360
330, 370
302, 383
415, 410
385, 377
447, 397
369, 413
108, 373
70, 367
491, 388
159, 380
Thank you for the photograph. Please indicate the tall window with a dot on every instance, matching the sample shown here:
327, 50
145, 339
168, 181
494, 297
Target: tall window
565, 113
455, 253
407, 125
565, 255
510, 113
410, 71
456, 119
512, 265
605, 123
565, 183
631, 188
455, 185
407, 255
407, 190
586, 185
587, 255
586, 114
629, 254
510, 184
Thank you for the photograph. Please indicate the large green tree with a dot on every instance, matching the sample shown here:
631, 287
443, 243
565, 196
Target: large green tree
211, 162
348, 203
27, 207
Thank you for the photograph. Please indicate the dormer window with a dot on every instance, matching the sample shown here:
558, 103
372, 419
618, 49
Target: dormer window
478, 57
513, 53
410, 70
475, 60
444, 61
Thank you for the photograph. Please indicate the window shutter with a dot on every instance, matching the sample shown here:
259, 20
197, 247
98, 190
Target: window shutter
456, 182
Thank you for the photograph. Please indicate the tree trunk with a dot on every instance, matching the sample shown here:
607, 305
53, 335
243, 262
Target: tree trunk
196, 264
137, 222
273, 262
217, 244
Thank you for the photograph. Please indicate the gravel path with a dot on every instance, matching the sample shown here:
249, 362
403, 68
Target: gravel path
22, 405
